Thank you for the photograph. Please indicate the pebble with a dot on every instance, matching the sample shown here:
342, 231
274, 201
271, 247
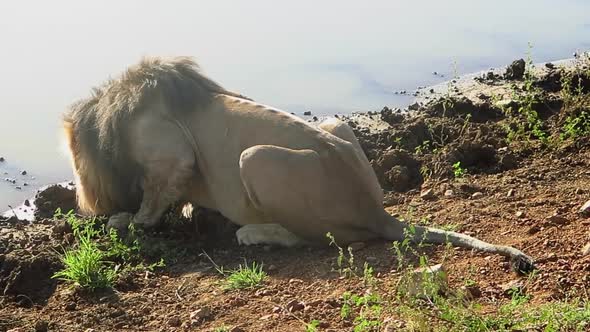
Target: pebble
202, 313
585, 209
23, 172
519, 214
449, 193
435, 273
307, 113
557, 219
174, 321
586, 249
2, 159
427, 194
510, 193
295, 305
41, 326
477, 194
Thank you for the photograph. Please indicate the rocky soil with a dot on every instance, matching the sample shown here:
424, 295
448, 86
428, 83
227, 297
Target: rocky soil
527, 192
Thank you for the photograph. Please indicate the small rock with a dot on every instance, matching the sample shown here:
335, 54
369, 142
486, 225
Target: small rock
357, 245
414, 107
512, 286
295, 305
434, 73
431, 90
472, 292
1, 159
549, 65
41, 326
427, 194
449, 193
586, 249
510, 193
202, 313
70, 306
23, 172
315, 118
174, 321
18, 188
307, 113
519, 214
585, 209
27, 203
430, 274
557, 219
534, 229
295, 281
25, 184
477, 195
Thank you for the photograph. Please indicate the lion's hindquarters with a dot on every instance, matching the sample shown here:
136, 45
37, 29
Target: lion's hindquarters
296, 190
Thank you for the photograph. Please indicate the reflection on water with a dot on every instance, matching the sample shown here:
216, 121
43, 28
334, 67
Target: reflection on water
324, 56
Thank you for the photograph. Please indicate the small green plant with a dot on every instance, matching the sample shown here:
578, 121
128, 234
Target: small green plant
222, 328
576, 126
312, 326
369, 310
86, 266
458, 170
100, 255
346, 267
245, 276
422, 148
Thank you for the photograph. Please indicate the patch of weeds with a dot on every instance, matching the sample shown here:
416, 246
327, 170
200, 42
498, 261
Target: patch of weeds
369, 275
100, 255
526, 123
458, 170
438, 311
576, 126
346, 267
245, 277
423, 148
86, 266
221, 329
312, 326
369, 309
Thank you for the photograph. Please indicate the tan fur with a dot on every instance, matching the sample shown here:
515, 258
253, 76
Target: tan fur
163, 133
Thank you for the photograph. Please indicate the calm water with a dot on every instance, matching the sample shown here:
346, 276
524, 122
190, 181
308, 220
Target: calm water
325, 56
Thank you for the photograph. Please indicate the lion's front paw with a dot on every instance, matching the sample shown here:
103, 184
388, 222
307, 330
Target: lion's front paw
120, 221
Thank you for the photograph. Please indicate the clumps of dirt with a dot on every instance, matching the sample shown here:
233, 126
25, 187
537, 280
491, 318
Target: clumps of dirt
515, 71
461, 107
27, 277
53, 197
397, 170
390, 116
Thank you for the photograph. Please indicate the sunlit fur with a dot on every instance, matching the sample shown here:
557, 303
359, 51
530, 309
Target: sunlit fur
95, 127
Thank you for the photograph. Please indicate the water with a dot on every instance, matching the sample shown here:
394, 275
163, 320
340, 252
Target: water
325, 56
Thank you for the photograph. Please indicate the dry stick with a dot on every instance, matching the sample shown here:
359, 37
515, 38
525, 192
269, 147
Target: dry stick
179, 288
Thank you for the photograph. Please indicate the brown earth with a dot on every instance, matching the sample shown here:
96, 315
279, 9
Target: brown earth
523, 194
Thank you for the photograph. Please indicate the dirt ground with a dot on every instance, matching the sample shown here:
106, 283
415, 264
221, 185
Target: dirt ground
521, 193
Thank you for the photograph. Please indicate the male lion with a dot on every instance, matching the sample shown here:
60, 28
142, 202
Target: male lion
163, 133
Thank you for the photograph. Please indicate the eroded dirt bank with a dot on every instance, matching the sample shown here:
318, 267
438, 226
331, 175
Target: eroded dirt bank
506, 159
